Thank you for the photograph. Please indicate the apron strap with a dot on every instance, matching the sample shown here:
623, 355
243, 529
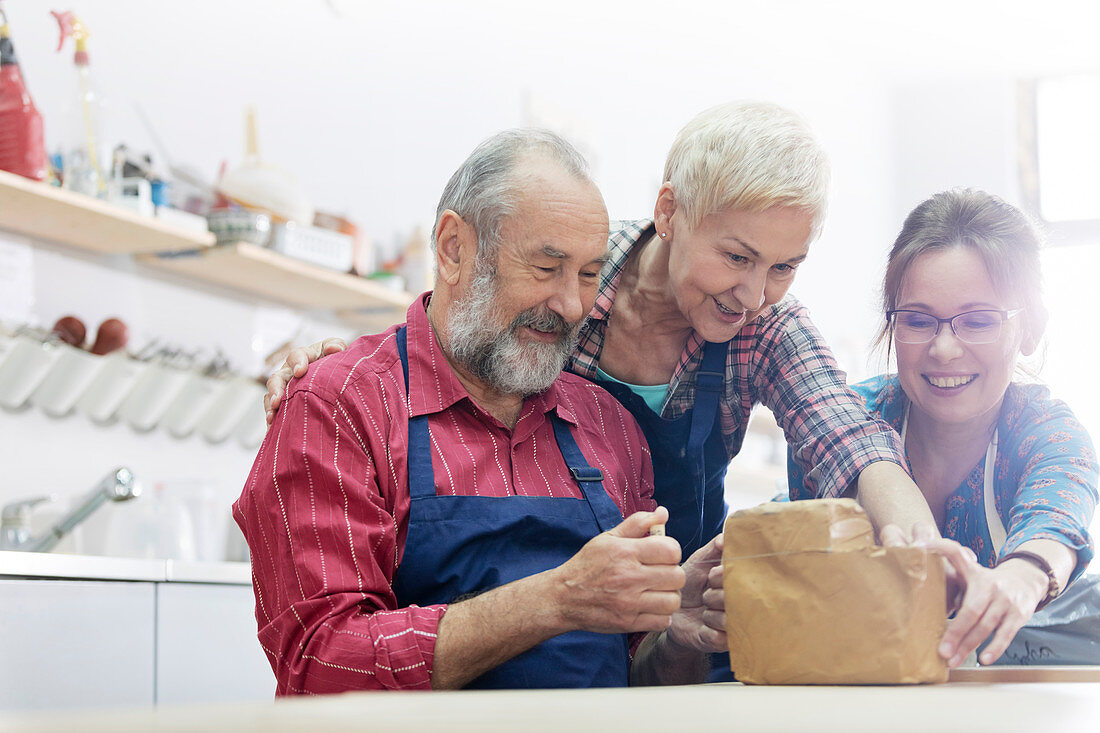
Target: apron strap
421, 476
709, 381
997, 533
590, 479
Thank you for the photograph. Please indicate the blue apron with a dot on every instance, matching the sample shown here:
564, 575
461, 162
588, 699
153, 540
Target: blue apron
459, 546
689, 454
689, 464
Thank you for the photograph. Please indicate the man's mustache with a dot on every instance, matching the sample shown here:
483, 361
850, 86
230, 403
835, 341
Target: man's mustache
544, 320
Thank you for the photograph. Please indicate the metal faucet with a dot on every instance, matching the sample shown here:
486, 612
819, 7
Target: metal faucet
15, 533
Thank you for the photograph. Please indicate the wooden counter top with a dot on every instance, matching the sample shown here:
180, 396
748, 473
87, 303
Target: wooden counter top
973, 707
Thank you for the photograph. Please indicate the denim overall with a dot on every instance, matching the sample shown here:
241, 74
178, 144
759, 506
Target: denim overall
458, 546
689, 455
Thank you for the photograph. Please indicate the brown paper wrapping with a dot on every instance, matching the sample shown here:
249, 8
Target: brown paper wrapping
810, 600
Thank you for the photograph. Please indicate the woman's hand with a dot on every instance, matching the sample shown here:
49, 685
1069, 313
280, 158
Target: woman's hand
676, 655
892, 535
700, 624
297, 361
996, 601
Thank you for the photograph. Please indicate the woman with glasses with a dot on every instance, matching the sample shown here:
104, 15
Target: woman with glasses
1007, 471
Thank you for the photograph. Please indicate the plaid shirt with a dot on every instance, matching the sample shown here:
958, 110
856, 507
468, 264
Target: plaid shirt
778, 360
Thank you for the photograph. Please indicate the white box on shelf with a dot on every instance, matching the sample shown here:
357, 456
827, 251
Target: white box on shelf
312, 244
182, 219
134, 194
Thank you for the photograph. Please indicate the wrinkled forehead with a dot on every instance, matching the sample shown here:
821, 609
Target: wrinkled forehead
559, 215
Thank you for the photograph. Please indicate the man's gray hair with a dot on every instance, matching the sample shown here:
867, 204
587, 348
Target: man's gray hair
483, 190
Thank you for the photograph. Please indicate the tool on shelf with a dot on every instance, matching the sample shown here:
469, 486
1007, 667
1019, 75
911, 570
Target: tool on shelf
256, 184
22, 145
81, 159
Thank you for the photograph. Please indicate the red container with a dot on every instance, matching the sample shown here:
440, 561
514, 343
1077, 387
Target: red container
22, 144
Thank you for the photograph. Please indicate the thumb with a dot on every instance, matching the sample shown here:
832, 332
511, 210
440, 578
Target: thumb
892, 536
637, 524
925, 533
709, 553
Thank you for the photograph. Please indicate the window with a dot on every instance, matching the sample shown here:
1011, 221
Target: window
1060, 154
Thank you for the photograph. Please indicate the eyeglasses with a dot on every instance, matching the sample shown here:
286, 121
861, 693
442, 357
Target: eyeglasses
972, 327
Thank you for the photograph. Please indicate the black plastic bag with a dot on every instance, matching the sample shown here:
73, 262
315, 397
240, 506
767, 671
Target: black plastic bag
1067, 631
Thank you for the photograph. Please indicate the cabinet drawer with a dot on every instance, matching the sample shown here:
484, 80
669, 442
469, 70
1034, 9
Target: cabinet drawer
206, 645
75, 644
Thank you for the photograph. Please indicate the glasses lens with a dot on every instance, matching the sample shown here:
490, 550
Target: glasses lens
912, 327
978, 327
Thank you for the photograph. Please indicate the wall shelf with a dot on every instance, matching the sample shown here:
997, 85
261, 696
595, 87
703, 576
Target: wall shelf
265, 273
45, 212
49, 214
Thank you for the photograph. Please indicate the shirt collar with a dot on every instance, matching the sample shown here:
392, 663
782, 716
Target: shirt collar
434, 386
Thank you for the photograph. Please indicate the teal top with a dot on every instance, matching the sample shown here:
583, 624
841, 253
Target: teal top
653, 394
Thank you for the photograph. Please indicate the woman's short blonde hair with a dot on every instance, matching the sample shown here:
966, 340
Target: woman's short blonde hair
749, 156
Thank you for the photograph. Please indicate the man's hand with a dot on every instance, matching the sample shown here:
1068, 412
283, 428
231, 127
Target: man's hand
700, 624
297, 361
623, 580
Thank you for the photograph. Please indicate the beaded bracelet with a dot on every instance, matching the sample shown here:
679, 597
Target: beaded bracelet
1053, 588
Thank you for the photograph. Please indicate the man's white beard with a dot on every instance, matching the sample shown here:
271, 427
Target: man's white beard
498, 358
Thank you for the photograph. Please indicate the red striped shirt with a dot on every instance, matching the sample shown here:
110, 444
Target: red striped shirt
326, 505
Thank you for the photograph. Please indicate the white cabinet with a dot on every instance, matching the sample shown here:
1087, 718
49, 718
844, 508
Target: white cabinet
206, 645
76, 644
133, 632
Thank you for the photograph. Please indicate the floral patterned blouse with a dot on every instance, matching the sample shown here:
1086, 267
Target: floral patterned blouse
1045, 481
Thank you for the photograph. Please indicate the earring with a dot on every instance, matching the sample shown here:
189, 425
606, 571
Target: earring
664, 234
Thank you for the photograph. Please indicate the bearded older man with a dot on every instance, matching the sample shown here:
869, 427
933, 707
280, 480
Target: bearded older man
440, 506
